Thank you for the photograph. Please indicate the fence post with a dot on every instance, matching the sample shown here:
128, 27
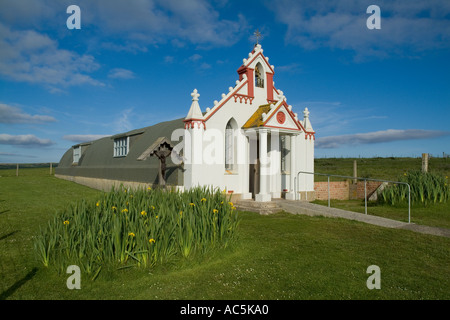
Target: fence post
424, 162
365, 196
409, 203
17, 170
328, 191
295, 188
51, 169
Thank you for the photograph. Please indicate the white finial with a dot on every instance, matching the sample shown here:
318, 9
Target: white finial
306, 113
194, 112
306, 122
195, 95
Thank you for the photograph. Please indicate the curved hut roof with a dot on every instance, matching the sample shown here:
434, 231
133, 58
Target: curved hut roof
97, 158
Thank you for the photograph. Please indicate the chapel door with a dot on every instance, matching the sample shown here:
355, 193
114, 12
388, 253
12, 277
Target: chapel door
254, 172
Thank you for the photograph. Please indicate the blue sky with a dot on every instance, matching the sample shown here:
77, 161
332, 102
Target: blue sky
134, 63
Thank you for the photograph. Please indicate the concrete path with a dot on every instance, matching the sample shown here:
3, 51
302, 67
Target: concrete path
303, 207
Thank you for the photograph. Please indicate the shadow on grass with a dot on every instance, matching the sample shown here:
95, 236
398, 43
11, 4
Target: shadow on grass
5, 294
8, 235
4, 211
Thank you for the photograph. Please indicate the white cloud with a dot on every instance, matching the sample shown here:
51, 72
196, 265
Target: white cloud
205, 66
78, 138
8, 154
169, 59
389, 135
29, 56
28, 140
407, 27
290, 68
195, 57
119, 73
136, 23
123, 124
9, 114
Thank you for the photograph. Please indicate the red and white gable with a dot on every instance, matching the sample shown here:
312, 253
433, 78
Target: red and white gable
257, 64
282, 117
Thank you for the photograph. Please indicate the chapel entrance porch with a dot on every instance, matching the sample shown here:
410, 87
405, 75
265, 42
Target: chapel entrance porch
270, 160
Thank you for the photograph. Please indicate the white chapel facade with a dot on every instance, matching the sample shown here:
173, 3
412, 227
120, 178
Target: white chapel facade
250, 143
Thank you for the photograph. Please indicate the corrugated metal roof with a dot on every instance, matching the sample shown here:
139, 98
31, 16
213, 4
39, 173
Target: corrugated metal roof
100, 152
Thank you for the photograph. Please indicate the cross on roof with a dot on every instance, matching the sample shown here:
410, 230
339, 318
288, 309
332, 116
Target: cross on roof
257, 35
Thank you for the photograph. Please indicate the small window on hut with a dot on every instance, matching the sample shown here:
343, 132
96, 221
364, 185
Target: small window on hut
121, 146
76, 154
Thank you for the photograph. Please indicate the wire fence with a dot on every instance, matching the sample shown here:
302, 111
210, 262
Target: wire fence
19, 166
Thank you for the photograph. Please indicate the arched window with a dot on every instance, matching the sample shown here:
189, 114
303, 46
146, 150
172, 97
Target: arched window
229, 145
259, 76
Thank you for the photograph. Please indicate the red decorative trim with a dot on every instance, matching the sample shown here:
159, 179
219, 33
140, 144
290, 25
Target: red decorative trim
225, 101
192, 119
299, 125
251, 83
190, 123
309, 135
243, 97
284, 128
269, 85
281, 117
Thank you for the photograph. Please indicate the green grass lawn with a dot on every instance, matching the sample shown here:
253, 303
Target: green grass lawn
280, 256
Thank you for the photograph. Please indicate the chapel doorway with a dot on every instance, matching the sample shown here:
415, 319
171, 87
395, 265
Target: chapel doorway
254, 168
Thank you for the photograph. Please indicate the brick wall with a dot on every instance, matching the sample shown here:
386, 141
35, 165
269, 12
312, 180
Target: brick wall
339, 190
371, 187
344, 190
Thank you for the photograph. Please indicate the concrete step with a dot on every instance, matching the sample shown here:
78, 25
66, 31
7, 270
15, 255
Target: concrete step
259, 207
